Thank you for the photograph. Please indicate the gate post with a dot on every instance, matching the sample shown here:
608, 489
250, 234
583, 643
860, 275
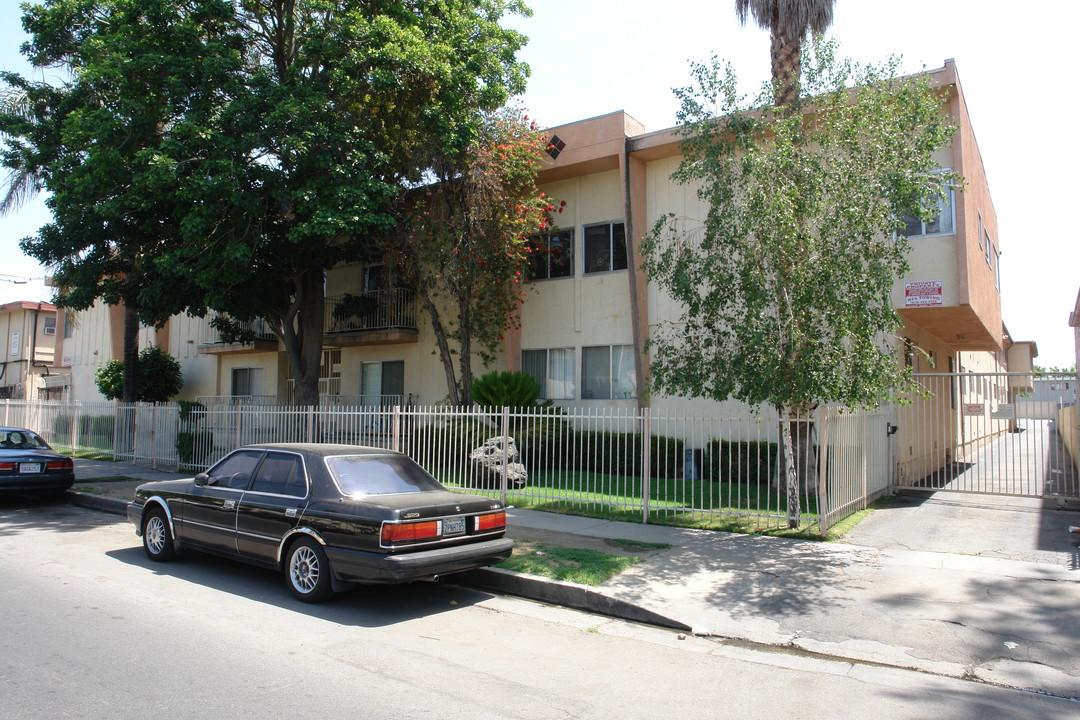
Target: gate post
822, 476
646, 462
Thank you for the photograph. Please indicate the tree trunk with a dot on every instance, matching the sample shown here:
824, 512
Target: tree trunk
465, 349
443, 343
790, 473
786, 60
131, 355
798, 460
302, 335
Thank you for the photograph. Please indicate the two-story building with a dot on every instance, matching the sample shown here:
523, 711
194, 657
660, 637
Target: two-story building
28, 330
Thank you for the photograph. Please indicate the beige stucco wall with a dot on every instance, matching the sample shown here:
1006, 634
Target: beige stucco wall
581, 310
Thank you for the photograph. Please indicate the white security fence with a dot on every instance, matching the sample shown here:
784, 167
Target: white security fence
635, 465
998, 433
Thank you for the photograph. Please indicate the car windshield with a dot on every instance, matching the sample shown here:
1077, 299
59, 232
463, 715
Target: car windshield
21, 440
380, 475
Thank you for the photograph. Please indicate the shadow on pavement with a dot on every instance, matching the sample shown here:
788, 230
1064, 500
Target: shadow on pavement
364, 606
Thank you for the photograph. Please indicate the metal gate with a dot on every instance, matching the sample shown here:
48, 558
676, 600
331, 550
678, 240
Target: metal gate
997, 433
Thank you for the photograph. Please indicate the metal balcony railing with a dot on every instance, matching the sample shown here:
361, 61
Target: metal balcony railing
258, 329
374, 310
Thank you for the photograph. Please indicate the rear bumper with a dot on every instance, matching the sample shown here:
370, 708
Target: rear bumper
43, 484
368, 567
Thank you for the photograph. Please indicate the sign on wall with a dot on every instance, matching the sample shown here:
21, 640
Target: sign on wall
16, 343
923, 293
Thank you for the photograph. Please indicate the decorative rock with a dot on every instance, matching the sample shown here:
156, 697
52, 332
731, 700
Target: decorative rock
489, 458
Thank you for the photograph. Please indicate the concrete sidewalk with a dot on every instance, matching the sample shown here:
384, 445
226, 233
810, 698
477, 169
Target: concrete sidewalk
1013, 622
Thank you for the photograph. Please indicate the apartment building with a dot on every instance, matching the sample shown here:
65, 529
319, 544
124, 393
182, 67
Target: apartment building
589, 308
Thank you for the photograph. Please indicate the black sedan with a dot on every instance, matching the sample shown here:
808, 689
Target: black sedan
28, 466
328, 516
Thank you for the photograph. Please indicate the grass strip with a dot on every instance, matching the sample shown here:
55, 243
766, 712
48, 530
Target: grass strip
576, 565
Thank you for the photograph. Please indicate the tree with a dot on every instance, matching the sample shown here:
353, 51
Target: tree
788, 22
103, 143
344, 106
785, 285
159, 375
467, 241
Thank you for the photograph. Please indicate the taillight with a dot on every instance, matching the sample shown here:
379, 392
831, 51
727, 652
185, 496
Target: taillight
491, 521
7, 466
59, 465
409, 532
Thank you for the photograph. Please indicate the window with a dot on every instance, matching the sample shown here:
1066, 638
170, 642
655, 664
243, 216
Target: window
281, 474
376, 278
997, 270
909, 353
608, 372
988, 251
69, 325
235, 470
605, 247
554, 370
247, 382
382, 382
940, 224
50, 325
552, 256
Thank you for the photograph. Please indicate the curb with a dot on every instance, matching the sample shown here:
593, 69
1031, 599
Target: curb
96, 502
563, 594
530, 587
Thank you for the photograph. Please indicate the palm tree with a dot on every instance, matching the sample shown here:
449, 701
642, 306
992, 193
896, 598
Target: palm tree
788, 22
22, 184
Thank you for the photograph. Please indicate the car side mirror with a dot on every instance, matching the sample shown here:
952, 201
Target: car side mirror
202, 479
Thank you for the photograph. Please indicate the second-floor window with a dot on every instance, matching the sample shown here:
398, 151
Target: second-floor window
552, 255
605, 247
940, 224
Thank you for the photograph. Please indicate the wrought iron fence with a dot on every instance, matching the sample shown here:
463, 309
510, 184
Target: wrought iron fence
633, 465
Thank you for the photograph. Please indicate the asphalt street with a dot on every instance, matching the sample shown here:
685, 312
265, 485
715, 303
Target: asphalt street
93, 629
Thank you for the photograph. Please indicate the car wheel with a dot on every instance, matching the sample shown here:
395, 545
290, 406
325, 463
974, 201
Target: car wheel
157, 537
307, 571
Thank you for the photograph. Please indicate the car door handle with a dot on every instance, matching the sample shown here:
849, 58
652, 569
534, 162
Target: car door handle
229, 505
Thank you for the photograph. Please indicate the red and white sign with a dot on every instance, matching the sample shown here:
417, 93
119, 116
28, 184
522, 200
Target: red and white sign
925, 293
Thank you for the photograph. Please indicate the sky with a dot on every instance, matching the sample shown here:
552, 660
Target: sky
590, 57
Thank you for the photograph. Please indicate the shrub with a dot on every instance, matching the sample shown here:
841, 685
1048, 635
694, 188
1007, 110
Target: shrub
506, 389
159, 376
611, 453
742, 461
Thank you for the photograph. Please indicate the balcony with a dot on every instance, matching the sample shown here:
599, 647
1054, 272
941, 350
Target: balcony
252, 337
377, 317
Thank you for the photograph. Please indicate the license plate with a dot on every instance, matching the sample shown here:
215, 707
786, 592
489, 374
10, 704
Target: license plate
29, 468
453, 526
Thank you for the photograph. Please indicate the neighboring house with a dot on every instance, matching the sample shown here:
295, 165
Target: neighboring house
1074, 323
29, 334
589, 309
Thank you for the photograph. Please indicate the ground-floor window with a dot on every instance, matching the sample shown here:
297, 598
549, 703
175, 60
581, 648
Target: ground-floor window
607, 372
382, 382
247, 382
553, 369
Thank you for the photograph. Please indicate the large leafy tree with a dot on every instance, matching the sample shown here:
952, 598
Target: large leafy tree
345, 104
788, 22
465, 241
785, 284
104, 142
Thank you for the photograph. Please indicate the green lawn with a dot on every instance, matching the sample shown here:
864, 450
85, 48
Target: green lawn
737, 507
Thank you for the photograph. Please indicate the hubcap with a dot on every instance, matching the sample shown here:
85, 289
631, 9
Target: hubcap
304, 569
155, 534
